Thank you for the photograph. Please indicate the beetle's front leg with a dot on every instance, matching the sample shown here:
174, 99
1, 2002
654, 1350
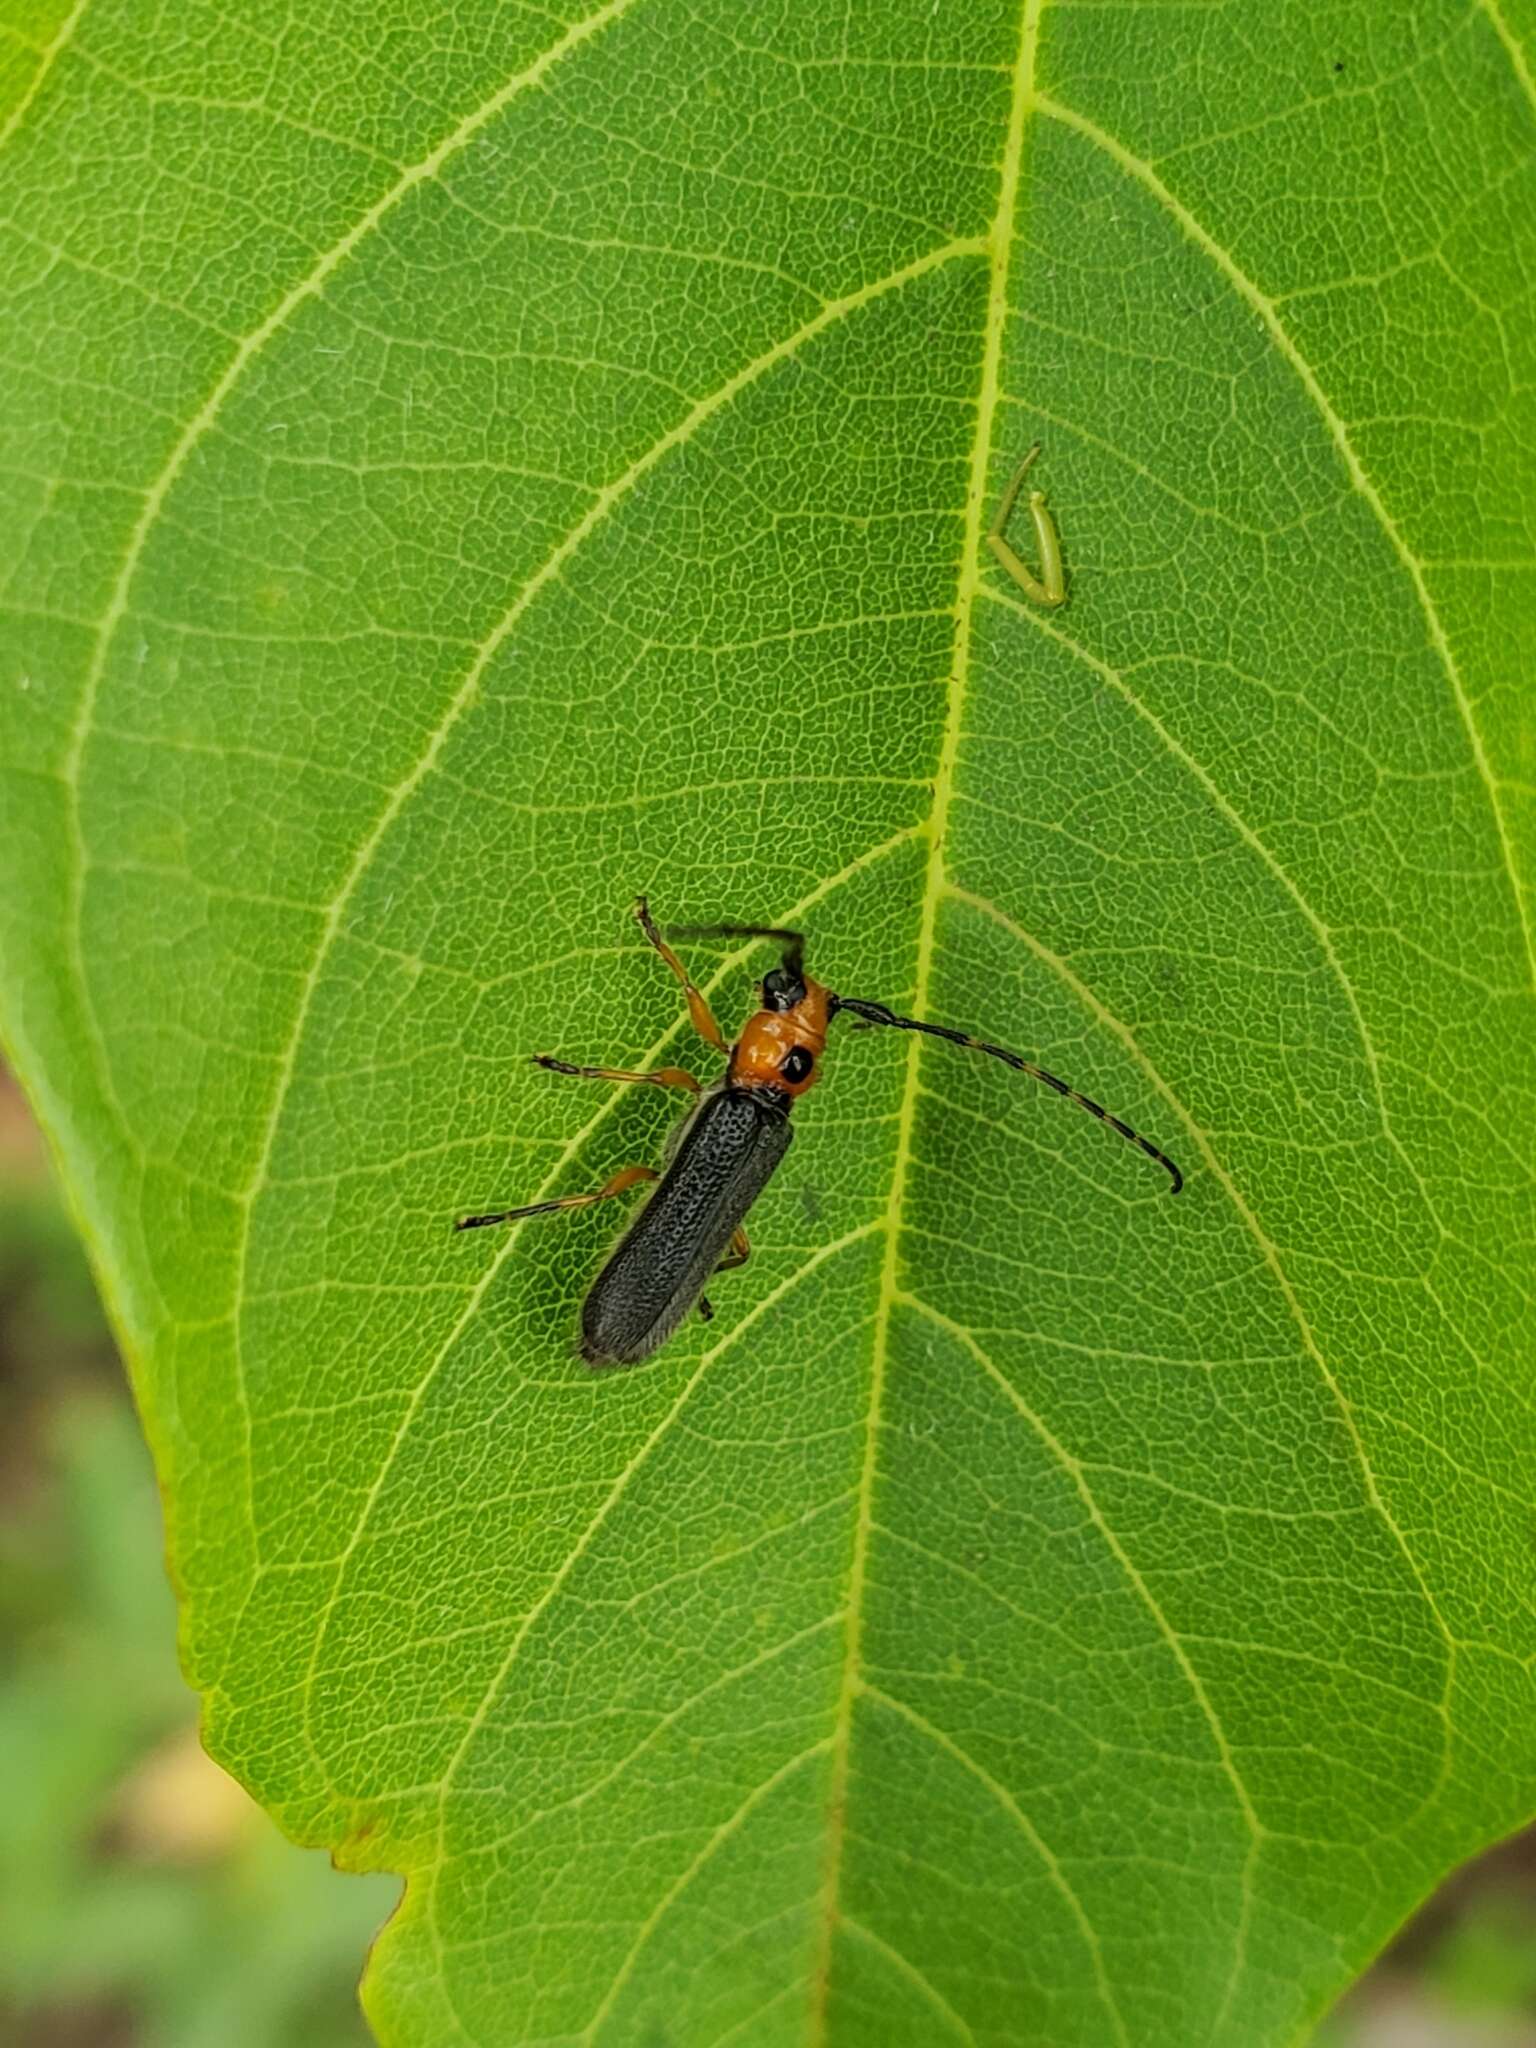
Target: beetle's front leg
702, 1015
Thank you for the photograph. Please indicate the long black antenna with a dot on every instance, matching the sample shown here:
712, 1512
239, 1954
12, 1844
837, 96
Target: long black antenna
792, 942
877, 1013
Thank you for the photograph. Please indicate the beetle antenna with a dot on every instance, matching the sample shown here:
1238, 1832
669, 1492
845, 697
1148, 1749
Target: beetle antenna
877, 1013
792, 942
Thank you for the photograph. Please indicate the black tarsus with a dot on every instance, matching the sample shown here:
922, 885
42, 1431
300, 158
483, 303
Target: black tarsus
877, 1013
508, 1215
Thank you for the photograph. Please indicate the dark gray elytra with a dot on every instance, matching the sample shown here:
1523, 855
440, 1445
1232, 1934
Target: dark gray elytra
726, 1156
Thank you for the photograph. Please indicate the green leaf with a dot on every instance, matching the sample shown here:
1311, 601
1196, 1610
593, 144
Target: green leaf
465, 468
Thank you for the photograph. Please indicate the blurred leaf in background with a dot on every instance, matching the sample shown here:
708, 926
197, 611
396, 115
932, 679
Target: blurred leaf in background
145, 1902
1462, 1975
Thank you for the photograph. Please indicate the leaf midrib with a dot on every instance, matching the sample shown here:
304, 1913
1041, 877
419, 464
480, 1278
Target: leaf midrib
999, 245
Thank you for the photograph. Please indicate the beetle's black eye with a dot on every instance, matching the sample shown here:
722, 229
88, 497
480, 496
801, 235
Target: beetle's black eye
796, 1064
782, 990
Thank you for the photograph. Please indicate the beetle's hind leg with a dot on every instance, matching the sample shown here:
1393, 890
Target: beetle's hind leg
740, 1251
738, 1255
698, 1009
621, 1183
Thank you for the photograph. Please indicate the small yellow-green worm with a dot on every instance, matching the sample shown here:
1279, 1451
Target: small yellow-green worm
1050, 586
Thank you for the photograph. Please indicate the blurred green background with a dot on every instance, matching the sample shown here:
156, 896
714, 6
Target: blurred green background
146, 1903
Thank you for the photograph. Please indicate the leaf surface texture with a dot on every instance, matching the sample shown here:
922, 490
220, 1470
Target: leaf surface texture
467, 465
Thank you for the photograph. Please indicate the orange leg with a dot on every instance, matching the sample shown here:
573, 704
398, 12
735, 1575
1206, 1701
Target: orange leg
621, 1183
738, 1255
663, 1077
699, 1010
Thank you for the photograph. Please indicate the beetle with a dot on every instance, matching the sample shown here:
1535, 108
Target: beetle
730, 1145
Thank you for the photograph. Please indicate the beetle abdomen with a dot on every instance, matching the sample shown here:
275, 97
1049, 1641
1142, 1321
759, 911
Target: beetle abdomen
727, 1153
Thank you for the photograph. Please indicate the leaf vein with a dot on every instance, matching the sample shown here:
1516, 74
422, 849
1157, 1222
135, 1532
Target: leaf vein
911, 1973
1143, 173
1048, 1857
1271, 1257
47, 56
999, 245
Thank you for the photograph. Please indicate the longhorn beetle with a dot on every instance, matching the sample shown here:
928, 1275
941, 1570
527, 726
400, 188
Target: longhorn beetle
727, 1149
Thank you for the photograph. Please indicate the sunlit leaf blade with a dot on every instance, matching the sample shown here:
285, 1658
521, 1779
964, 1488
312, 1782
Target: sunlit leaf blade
464, 468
